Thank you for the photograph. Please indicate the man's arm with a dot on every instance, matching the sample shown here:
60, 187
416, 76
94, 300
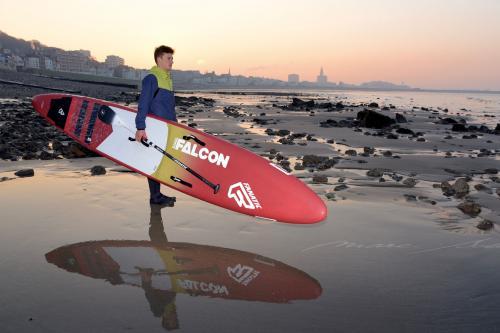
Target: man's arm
149, 86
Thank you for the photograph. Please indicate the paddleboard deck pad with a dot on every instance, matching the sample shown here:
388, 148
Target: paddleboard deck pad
186, 159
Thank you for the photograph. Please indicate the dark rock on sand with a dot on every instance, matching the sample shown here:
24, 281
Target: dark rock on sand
410, 197
318, 162
497, 129
403, 130
282, 132
97, 170
369, 150
447, 121
483, 188
341, 187
330, 196
351, 152
470, 208
286, 141
460, 187
373, 105
377, 172
459, 128
320, 179
372, 119
491, 171
25, 173
400, 118
298, 103
299, 166
484, 225
410, 182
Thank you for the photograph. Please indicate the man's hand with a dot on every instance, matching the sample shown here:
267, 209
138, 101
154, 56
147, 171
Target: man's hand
140, 135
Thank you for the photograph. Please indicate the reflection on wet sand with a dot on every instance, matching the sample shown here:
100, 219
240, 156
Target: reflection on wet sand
164, 269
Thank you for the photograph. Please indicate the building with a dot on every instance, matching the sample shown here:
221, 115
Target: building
49, 64
72, 61
113, 61
293, 78
32, 62
322, 79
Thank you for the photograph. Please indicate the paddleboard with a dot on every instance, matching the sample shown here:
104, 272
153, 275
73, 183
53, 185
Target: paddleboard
186, 159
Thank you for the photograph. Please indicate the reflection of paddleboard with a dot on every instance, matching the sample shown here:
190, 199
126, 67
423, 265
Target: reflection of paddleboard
188, 160
188, 268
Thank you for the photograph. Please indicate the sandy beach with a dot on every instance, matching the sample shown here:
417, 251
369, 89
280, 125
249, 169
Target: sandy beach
412, 193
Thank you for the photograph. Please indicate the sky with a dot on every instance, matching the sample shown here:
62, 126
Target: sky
440, 44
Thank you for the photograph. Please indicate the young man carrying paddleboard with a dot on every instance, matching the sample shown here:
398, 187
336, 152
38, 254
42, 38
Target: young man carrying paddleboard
157, 98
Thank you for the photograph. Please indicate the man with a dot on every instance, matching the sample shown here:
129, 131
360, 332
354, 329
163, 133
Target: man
157, 98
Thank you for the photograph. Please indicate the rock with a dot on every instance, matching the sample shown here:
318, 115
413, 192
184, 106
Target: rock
351, 152
403, 130
329, 123
319, 162
470, 208
459, 128
491, 171
299, 166
387, 153
373, 105
320, 179
421, 140
461, 188
298, 103
392, 136
25, 173
282, 132
410, 182
286, 141
341, 187
330, 196
447, 189
270, 131
448, 121
483, 188
375, 172
484, 225
410, 197
372, 119
497, 129
400, 118
97, 170
45, 155
369, 150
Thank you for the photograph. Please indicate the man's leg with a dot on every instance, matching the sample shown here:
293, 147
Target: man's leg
156, 197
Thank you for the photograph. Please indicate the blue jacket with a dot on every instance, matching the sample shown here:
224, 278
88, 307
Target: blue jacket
161, 105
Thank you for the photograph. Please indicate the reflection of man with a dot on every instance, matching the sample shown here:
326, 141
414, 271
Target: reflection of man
161, 302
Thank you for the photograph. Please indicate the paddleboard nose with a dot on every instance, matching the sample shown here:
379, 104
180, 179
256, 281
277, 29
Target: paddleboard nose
310, 210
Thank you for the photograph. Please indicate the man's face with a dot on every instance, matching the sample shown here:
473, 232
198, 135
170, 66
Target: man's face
165, 61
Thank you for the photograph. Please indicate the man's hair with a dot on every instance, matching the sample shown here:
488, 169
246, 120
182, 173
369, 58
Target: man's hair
162, 49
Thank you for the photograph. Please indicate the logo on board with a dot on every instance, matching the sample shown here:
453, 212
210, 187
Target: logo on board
243, 195
242, 274
204, 153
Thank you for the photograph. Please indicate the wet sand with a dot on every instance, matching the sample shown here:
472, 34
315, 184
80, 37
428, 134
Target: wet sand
393, 255
383, 265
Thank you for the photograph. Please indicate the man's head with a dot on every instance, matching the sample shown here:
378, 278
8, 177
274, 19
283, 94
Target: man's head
164, 57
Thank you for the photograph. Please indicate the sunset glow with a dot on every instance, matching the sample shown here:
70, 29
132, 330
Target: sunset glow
428, 44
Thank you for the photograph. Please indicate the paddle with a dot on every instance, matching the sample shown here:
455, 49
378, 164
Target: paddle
108, 116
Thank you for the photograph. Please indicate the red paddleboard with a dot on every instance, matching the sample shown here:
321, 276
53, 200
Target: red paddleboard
188, 160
